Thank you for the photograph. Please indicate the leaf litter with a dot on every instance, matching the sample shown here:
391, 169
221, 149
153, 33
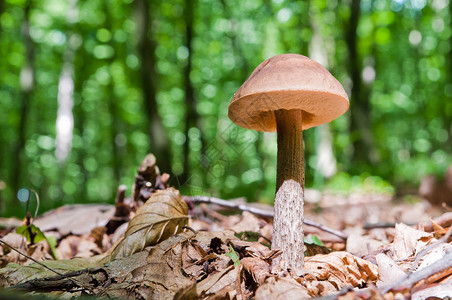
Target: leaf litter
161, 248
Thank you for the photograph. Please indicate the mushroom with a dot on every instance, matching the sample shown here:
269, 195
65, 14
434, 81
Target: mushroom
288, 93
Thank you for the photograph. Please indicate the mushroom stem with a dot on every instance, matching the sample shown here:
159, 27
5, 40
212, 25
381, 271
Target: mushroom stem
288, 221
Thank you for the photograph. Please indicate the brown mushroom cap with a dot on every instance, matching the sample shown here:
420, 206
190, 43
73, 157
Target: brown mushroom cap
288, 81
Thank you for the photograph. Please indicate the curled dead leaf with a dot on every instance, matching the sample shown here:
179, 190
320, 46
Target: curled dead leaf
389, 270
219, 284
436, 291
340, 269
163, 215
38, 251
409, 241
281, 288
258, 268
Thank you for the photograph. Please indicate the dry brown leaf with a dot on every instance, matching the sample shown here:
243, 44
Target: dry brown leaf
194, 258
258, 268
155, 273
76, 219
388, 269
163, 215
256, 249
320, 288
219, 284
14, 274
156, 279
200, 256
439, 291
99, 235
187, 293
206, 240
77, 246
119, 233
283, 288
39, 251
10, 256
340, 269
409, 241
437, 253
371, 293
221, 262
248, 222
362, 245
266, 232
438, 230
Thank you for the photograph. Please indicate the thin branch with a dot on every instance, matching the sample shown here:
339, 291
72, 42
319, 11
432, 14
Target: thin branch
30, 258
326, 228
59, 282
39, 263
257, 211
445, 220
230, 204
429, 248
412, 278
383, 224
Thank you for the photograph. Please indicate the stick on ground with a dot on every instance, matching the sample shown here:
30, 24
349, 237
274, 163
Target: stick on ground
257, 211
408, 281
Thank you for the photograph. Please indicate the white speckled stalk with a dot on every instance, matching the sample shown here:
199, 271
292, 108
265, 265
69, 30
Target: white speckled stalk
288, 221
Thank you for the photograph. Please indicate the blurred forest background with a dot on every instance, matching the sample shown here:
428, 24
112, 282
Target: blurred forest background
88, 88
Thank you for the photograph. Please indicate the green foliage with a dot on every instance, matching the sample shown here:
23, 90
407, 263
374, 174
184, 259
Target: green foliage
365, 183
31, 232
233, 256
34, 235
313, 239
52, 241
314, 246
403, 54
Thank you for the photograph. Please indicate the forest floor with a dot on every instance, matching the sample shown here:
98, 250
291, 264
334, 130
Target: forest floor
158, 244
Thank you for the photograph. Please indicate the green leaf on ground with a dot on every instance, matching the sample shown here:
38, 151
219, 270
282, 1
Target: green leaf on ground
233, 255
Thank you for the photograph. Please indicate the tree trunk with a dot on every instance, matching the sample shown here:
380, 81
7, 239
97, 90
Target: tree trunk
326, 165
448, 121
288, 220
303, 21
361, 131
2, 168
79, 123
114, 131
244, 68
65, 116
112, 105
160, 145
192, 119
191, 113
2, 5
27, 83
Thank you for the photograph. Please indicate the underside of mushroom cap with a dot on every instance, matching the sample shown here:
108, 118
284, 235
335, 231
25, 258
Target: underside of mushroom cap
288, 81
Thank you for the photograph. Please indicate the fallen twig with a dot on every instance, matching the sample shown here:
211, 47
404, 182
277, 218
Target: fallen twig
65, 282
39, 263
257, 211
445, 220
230, 204
368, 226
429, 248
325, 228
30, 258
411, 279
